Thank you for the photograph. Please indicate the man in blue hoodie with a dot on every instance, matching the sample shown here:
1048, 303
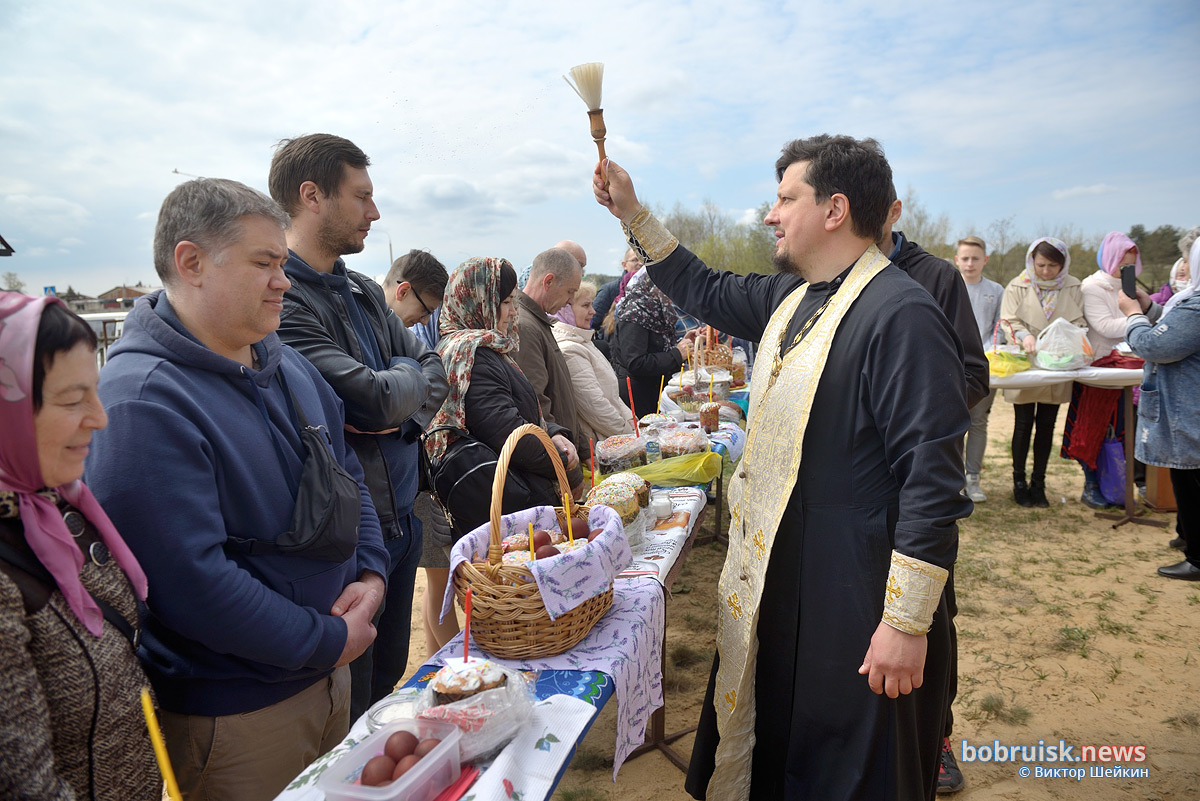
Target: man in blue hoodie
390, 383
208, 454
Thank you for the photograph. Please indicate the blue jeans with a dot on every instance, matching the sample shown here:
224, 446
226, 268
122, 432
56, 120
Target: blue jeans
374, 674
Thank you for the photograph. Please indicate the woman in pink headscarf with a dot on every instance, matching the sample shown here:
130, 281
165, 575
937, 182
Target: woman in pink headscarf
1093, 409
71, 723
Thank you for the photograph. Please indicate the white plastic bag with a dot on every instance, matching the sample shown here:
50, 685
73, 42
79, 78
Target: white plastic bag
1063, 346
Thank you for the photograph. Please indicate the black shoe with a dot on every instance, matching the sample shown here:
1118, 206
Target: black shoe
950, 778
1092, 498
1177, 543
1185, 571
1021, 492
1037, 493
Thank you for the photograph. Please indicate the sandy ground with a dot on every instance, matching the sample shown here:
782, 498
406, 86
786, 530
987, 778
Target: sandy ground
1065, 632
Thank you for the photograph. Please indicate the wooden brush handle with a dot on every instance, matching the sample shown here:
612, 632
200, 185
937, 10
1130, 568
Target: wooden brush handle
598, 133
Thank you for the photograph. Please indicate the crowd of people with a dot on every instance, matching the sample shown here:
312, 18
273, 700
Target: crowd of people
283, 441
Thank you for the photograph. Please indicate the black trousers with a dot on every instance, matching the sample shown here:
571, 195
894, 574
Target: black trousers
1029, 416
1186, 484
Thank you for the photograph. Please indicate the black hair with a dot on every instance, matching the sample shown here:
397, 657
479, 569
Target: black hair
59, 331
508, 279
423, 272
1049, 253
851, 167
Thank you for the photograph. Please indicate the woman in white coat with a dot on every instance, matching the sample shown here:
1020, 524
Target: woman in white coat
597, 398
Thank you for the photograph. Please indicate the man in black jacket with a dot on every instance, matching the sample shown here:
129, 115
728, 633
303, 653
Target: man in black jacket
390, 383
941, 280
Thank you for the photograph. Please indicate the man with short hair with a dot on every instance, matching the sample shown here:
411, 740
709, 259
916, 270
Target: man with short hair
414, 287
390, 383
970, 257
843, 507
553, 281
208, 472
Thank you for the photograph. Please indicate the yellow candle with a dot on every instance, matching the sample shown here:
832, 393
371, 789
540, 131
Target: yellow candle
710, 380
160, 748
567, 517
531, 556
661, 383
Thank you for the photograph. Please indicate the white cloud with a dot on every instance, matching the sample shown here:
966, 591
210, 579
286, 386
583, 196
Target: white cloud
1080, 191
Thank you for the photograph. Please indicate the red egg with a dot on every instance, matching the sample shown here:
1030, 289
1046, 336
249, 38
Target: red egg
378, 771
545, 552
541, 537
579, 527
426, 745
400, 745
596, 532
405, 765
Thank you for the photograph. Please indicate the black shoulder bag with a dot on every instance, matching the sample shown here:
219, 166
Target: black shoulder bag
461, 481
328, 508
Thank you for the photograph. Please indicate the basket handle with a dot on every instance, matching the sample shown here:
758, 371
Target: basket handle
495, 546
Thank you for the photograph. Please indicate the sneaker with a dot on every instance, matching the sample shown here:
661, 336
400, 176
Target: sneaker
973, 491
950, 778
1092, 498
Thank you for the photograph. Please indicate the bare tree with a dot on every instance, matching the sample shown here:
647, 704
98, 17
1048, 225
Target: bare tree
13, 282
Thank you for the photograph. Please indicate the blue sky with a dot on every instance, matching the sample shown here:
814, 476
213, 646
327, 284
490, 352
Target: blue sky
1062, 115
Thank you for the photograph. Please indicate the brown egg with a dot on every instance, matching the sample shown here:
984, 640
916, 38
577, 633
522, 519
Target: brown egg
378, 771
579, 527
596, 532
400, 745
540, 537
426, 745
545, 552
405, 765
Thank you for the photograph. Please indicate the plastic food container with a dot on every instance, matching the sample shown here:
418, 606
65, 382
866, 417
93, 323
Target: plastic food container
434, 773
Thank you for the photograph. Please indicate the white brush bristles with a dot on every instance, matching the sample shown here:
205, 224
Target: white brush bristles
586, 80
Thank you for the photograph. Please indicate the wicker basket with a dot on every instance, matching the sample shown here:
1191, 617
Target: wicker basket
508, 617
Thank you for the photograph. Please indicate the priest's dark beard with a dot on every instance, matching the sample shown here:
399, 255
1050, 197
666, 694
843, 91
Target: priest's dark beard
783, 264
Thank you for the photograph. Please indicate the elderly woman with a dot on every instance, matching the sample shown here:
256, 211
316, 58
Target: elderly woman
1168, 427
489, 395
1181, 270
600, 410
71, 722
1044, 292
643, 343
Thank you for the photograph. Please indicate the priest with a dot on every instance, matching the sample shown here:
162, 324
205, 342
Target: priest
833, 644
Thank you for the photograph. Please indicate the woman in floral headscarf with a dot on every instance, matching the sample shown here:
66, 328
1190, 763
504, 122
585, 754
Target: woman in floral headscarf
643, 345
1045, 291
71, 721
489, 395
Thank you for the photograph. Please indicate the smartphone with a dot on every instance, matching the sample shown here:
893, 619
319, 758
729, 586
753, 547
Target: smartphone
1129, 280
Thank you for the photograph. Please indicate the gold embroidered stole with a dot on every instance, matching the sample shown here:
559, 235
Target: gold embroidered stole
780, 404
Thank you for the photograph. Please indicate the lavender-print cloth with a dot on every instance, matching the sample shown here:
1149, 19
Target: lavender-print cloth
567, 580
626, 644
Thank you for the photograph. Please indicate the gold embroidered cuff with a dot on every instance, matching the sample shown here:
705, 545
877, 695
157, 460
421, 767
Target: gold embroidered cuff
913, 590
648, 237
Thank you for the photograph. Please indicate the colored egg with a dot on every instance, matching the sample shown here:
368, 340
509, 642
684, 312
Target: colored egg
541, 537
400, 745
579, 527
596, 532
545, 552
378, 771
405, 765
425, 746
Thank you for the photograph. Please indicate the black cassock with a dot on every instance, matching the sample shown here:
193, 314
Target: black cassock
881, 470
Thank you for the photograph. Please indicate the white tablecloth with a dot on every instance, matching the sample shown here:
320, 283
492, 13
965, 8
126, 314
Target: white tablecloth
1107, 377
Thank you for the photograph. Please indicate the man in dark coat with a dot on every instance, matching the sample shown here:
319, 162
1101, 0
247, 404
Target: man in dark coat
844, 505
390, 383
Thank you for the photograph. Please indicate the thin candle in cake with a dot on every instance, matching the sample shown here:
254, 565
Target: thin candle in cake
467, 623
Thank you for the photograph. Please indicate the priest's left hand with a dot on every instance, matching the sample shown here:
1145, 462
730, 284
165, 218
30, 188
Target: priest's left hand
895, 661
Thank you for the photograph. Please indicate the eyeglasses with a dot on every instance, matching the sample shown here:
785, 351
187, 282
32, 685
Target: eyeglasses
428, 311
